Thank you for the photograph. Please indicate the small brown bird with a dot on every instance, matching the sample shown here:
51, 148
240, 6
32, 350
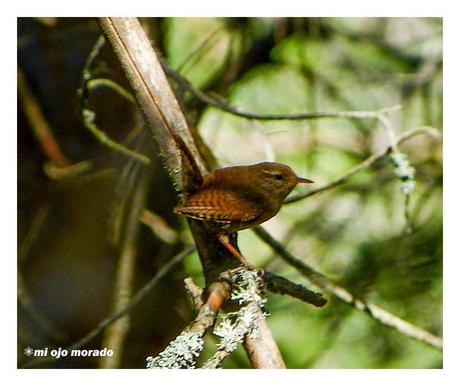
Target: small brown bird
240, 197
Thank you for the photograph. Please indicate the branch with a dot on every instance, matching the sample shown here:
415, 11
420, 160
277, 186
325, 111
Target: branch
135, 300
182, 352
39, 124
280, 285
254, 353
371, 160
261, 348
115, 335
220, 103
42, 321
74, 170
248, 324
89, 117
152, 91
195, 292
343, 294
159, 227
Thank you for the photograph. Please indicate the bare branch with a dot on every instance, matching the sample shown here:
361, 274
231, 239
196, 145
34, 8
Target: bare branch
89, 117
159, 227
152, 91
27, 302
39, 124
87, 84
115, 335
195, 292
76, 169
37, 222
220, 103
371, 160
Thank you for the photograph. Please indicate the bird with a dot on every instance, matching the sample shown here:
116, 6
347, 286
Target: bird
235, 198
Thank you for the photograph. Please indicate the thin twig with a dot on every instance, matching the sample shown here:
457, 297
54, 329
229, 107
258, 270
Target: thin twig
248, 324
135, 300
76, 169
86, 72
215, 361
366, 163
115, 335
220, 103
209, 40
195, 292
39, 124
159, 227
37, 222
27, 302
93, 84
86, 85
219, 292
89, 117
330, 287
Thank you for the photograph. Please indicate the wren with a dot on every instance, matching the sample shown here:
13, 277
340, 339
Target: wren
240, 197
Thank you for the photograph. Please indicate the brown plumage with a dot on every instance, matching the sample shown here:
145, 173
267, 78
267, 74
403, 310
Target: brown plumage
240, 197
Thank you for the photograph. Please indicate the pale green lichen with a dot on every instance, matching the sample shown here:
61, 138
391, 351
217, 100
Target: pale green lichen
181, 353
235, 325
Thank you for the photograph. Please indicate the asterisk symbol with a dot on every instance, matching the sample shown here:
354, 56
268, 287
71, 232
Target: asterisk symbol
28, 351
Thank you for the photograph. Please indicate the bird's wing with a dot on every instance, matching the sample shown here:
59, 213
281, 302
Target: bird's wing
219, 205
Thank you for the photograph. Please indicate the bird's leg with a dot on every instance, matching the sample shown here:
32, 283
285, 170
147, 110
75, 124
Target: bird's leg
225, 240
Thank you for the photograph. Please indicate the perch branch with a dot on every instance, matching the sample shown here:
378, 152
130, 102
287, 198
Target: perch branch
135, 300
182, 351
343, 294
248, 324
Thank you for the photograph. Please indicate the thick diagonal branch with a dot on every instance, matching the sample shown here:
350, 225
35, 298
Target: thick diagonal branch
166, 122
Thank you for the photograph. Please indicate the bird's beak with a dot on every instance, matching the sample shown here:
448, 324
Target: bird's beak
301, 180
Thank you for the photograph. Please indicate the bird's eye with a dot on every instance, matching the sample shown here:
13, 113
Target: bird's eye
279, 177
